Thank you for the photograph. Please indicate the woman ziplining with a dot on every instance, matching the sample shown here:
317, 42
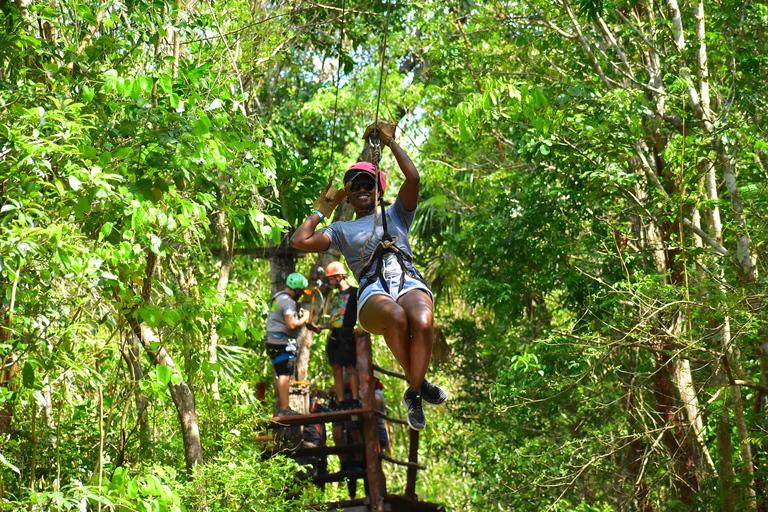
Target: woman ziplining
393, 298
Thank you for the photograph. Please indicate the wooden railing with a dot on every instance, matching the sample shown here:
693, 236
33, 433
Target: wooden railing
377, 485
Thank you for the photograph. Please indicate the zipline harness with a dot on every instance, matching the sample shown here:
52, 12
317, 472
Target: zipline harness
387, 244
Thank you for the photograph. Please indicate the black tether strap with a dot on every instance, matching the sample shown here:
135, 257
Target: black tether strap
377, 258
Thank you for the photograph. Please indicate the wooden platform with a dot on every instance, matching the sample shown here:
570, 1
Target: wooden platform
392, 503
311, 419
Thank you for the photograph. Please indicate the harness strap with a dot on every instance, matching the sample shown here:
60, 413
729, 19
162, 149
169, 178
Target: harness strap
377, 258
282, 357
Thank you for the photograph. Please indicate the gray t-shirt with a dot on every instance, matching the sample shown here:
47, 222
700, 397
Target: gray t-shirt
282, 305
350, 237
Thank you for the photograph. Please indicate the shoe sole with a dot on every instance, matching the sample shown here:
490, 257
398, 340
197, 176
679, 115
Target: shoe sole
408, 419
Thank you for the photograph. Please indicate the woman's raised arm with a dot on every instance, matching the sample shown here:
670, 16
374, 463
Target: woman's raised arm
306, 239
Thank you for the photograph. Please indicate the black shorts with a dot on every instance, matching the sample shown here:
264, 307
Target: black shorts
341, 348
283, 358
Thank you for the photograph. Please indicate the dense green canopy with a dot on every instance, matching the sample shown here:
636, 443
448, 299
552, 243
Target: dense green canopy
591, 220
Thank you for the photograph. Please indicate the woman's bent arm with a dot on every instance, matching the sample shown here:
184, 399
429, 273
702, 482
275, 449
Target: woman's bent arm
307, 239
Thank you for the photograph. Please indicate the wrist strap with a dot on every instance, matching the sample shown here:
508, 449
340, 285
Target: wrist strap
322, 217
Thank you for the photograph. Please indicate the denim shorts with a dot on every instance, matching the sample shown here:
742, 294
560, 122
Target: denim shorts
393, 280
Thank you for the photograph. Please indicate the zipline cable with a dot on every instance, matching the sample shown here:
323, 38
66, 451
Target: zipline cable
381, 69
376, 143
338, 79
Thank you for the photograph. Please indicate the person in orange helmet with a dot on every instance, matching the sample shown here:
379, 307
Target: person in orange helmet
341, 347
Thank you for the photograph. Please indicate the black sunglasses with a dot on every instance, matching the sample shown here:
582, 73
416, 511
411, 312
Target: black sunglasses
366, 183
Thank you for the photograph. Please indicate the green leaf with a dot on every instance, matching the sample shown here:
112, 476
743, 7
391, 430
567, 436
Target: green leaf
275, 234
171, 316
137, 219
146, 83
201, 127
106, 229
7, 464
123, 152
74, 183
166, 83
152, 315
164, 374
466, 135
87, 95
83, 205
28, 375
174, 100
135, 91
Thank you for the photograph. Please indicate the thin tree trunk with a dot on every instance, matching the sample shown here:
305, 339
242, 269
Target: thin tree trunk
10, 368
132, 355
176, 42
182, 395
221, 285
635, 449
683, 463
742, 433
281, 265
725, 460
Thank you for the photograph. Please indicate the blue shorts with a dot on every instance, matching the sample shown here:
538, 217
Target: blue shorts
283, 357
375, 288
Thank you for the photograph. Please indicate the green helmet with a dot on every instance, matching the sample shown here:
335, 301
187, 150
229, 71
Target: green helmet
296, 281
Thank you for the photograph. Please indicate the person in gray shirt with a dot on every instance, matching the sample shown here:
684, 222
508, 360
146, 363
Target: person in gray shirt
393, 300
284, 322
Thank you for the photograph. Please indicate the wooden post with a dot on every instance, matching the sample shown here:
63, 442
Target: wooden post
376, 483
413, 457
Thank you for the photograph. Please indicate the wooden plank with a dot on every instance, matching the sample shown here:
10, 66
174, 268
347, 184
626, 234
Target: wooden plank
310, 419
340, 476
403, 504
322, 450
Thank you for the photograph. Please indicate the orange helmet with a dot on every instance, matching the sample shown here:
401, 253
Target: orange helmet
335, 268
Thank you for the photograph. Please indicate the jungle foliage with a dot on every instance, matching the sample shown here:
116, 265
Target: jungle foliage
591, 219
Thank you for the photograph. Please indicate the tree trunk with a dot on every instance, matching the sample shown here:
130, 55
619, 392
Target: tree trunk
683, 463
132, 355
725, 460
222, 229
182, 395
8, 372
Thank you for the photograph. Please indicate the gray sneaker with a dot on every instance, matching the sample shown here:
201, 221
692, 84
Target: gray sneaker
415, 416
432, 393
